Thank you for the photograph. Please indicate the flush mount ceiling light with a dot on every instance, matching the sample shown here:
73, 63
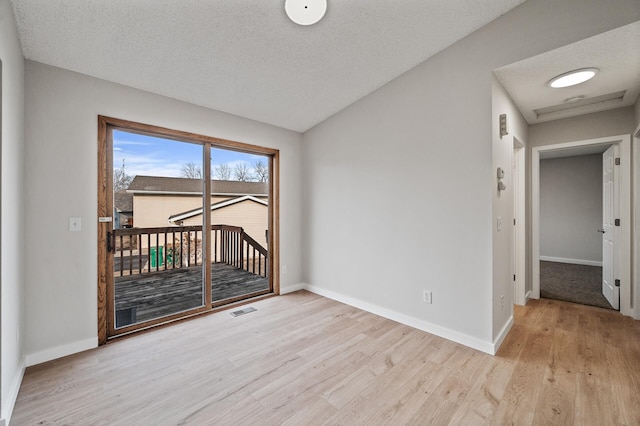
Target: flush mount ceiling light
572, 78
305, 12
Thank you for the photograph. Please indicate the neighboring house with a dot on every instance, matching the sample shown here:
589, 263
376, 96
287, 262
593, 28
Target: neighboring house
167, 201
122, 210
247, 211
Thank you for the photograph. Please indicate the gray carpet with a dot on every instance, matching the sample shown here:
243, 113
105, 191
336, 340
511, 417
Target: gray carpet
572, 283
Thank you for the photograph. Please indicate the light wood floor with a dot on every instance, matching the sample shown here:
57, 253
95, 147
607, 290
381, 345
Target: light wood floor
303, 359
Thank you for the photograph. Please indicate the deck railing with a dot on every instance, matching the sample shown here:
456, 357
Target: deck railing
146, 250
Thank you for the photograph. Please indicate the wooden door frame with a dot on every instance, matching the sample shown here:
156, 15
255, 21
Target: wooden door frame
623, 261
105, 206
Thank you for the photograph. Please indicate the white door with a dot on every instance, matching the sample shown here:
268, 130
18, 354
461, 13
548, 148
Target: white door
610, 197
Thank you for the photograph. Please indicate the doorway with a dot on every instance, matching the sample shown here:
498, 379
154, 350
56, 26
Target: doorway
621, 264
571, 234
187, 223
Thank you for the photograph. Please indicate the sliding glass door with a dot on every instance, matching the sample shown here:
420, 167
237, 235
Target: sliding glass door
240, 225
186, 224
158, 267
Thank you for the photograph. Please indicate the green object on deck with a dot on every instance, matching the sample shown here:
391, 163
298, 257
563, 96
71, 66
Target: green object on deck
156, 256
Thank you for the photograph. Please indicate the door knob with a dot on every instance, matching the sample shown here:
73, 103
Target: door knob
601, 231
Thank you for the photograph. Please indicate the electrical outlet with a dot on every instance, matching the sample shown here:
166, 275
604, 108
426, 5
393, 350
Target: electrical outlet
426, 296
502, 302
284, 269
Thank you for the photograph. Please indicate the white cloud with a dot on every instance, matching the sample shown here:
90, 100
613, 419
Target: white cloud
148, 165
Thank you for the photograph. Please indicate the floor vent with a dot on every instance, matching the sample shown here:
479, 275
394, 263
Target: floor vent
243, 311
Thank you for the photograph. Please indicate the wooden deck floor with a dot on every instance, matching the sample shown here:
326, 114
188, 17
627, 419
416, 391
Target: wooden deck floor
158, 294
301, 359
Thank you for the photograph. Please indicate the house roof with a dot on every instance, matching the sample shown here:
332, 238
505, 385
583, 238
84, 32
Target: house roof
123, 202
171, 185
216, 206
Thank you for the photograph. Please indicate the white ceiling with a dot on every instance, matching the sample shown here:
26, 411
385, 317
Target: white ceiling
616, 53
245, 57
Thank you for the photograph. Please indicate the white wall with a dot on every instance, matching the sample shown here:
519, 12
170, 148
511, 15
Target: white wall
12, 211
618, 121
571, 208
637, 113
502, 206
61, 181
422, 146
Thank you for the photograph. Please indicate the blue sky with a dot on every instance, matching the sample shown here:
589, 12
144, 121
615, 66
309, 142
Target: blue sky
152, 156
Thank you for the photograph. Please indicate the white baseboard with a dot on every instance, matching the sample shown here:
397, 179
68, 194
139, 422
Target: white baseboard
501, 336
573, 261
463, 339
527, 297
10, 401
60, 351
292, 288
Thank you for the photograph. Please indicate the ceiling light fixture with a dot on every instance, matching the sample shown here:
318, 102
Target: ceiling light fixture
305, 12
572, 78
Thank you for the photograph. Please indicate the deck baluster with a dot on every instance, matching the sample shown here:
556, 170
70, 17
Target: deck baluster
225, 256
130, 255
195, 253
164, 252
139, 253
119, 249
242, 254
173, 249
215, 246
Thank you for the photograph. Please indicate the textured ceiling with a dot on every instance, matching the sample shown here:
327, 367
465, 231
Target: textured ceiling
616, 53
245, 57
